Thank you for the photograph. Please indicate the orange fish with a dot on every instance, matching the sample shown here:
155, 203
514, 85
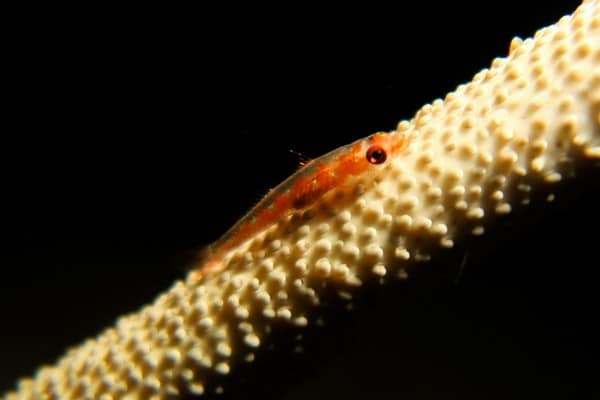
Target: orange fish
303, 188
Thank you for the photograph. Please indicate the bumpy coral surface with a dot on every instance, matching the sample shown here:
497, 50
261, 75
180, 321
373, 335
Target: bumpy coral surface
520, 127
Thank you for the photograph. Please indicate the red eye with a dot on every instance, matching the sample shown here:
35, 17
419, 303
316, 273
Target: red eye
376, 154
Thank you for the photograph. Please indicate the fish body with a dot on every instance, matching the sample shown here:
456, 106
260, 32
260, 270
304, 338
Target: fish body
338, 168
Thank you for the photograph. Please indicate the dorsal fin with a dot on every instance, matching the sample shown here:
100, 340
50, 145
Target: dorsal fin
302, 158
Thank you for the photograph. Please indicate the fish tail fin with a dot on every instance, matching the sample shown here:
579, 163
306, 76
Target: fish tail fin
205, 262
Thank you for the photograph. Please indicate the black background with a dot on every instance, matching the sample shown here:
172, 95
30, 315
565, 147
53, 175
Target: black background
134, 137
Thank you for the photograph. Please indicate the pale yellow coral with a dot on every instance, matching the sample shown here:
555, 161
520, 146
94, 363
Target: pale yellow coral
520, 127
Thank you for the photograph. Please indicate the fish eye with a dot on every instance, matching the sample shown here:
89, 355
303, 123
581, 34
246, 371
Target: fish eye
376, 154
